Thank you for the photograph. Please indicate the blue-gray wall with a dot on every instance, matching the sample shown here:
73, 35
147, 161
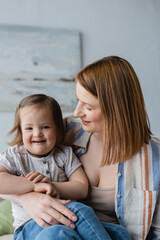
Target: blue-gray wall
128, 28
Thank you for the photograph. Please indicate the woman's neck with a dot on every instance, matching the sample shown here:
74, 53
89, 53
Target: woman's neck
97, 138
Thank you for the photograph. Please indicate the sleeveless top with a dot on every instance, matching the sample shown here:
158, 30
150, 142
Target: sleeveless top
102, 201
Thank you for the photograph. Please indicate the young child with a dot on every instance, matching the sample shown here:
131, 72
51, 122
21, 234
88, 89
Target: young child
37, 161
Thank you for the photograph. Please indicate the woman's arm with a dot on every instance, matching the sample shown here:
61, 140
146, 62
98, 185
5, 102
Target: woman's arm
20, 185
44, 209
14, 198
13, 184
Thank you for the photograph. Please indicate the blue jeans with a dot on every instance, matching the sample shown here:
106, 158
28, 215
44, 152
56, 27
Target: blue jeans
88, 227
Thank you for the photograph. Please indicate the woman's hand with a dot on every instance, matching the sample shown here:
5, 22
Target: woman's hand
46, 210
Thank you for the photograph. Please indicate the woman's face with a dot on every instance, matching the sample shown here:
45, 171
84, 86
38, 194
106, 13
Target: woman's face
88, 110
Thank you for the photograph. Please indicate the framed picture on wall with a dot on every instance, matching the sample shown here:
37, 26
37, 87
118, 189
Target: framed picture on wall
38, 60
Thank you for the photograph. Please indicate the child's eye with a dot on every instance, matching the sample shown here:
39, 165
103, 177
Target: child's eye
28, 128
45, 127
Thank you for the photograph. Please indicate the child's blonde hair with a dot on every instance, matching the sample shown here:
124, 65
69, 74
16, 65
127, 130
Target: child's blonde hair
38, 100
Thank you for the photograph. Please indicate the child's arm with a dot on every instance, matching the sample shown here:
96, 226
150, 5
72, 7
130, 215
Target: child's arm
37, 177
76, 188
11, 184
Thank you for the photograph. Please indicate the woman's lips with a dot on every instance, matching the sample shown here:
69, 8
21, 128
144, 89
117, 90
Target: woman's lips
85, 122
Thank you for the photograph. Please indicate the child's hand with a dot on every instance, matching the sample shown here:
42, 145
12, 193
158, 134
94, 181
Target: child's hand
36, 177
46, 188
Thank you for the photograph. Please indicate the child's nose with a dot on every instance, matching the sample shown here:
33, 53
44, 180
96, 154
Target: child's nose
38, 132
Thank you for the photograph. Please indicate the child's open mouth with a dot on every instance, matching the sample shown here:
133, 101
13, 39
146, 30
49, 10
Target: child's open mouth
39, 142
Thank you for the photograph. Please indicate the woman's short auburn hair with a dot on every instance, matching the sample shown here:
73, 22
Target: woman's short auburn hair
38, 100
113, 81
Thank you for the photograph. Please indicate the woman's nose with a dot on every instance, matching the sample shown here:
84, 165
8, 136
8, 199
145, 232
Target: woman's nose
78, 112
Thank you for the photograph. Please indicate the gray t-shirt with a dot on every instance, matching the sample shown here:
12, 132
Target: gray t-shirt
58, 166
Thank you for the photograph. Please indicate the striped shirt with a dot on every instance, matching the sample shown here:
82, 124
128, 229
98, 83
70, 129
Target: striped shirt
137, 196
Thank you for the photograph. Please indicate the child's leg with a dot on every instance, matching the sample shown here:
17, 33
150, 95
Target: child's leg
29, 231
58, 232
32, 231
88, 225
116, 231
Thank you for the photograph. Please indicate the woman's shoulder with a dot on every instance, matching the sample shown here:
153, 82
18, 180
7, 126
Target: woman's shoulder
154, 146
149, 152
151, 149
156, 140
144, 167
75, 134
72, 123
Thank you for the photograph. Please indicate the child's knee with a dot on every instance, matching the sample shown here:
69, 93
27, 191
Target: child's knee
77, 206
56, 232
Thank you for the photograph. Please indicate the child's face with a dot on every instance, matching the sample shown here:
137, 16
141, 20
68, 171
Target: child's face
38, 130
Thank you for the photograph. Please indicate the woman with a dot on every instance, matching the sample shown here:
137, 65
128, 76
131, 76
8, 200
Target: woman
113, 141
